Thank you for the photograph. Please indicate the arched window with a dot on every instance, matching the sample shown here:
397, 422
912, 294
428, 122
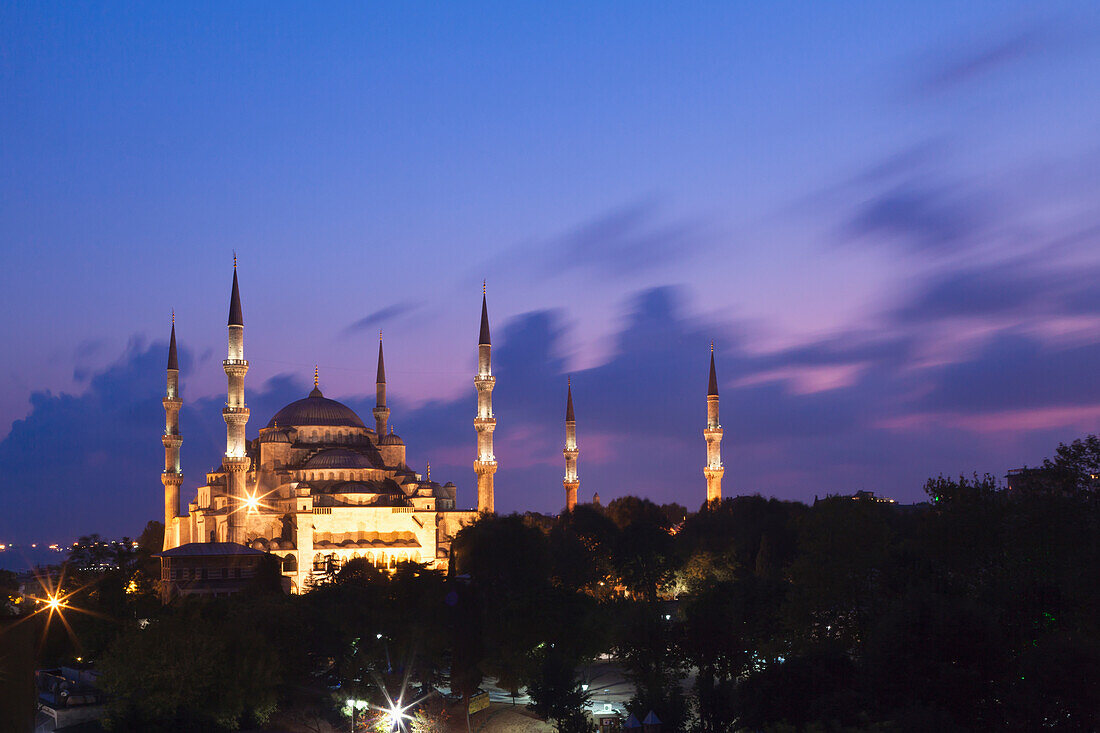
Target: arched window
290, 564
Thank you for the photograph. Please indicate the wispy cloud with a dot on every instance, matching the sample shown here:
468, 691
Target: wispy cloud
972, 62
628, 240
380, 317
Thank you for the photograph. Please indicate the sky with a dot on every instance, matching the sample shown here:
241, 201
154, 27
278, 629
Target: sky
884, 215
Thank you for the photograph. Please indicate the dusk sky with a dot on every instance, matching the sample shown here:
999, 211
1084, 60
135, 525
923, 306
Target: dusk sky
884, 214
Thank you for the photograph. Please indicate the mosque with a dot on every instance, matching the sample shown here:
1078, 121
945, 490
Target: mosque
318, 487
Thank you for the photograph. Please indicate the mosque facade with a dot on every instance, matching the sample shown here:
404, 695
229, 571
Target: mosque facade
318, 486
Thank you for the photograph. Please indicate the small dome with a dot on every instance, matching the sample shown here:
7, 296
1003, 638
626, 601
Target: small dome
391, 439
274, 436
338, 458
316, 410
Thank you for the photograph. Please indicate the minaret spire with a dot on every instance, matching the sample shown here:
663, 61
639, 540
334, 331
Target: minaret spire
172, 476
483, 338
713, 435
381, 412
235, 316
173, 359
236, 461
485, 464
571, 481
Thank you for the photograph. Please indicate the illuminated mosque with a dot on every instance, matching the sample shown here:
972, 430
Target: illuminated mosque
318, 487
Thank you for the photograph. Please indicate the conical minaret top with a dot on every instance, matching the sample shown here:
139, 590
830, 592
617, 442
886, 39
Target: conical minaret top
381, 376
485, 463
483, 339
712, 388
235, 316
569, 416
713, 434
173, 359
571, 481
381, 412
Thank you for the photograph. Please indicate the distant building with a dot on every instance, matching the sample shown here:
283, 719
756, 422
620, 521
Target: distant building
1048, 480
860, 496
215, 569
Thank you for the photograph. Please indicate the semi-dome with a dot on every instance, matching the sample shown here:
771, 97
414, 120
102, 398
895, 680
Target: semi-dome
338, 458
317, 410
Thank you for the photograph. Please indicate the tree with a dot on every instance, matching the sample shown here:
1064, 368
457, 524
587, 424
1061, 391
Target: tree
168, 677
1076, 466
817, 687
582, 543
627, 510
556, 693
727, 630
839, 578
647, 645
644, 558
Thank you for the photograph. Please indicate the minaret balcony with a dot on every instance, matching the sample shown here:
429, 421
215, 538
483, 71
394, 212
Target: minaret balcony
235, 415
174, 402
235, 367
236, 464
171, 440
171, 477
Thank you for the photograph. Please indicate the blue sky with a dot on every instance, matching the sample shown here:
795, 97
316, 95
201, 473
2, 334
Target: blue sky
883, 213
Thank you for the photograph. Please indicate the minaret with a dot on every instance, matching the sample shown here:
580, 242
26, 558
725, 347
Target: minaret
571, 482
713, 435
381, 412
172, 477
236, 461
486, 463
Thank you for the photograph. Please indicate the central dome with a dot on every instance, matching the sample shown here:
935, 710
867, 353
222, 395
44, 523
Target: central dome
316, 410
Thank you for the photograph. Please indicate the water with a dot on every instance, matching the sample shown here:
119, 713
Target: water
24, 557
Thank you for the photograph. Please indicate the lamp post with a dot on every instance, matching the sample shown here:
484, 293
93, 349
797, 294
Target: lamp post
389, 666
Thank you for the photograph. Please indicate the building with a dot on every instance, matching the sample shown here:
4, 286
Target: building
215, 569
317, 487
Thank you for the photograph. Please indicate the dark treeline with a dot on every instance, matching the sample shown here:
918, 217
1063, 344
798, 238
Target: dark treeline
978, 610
